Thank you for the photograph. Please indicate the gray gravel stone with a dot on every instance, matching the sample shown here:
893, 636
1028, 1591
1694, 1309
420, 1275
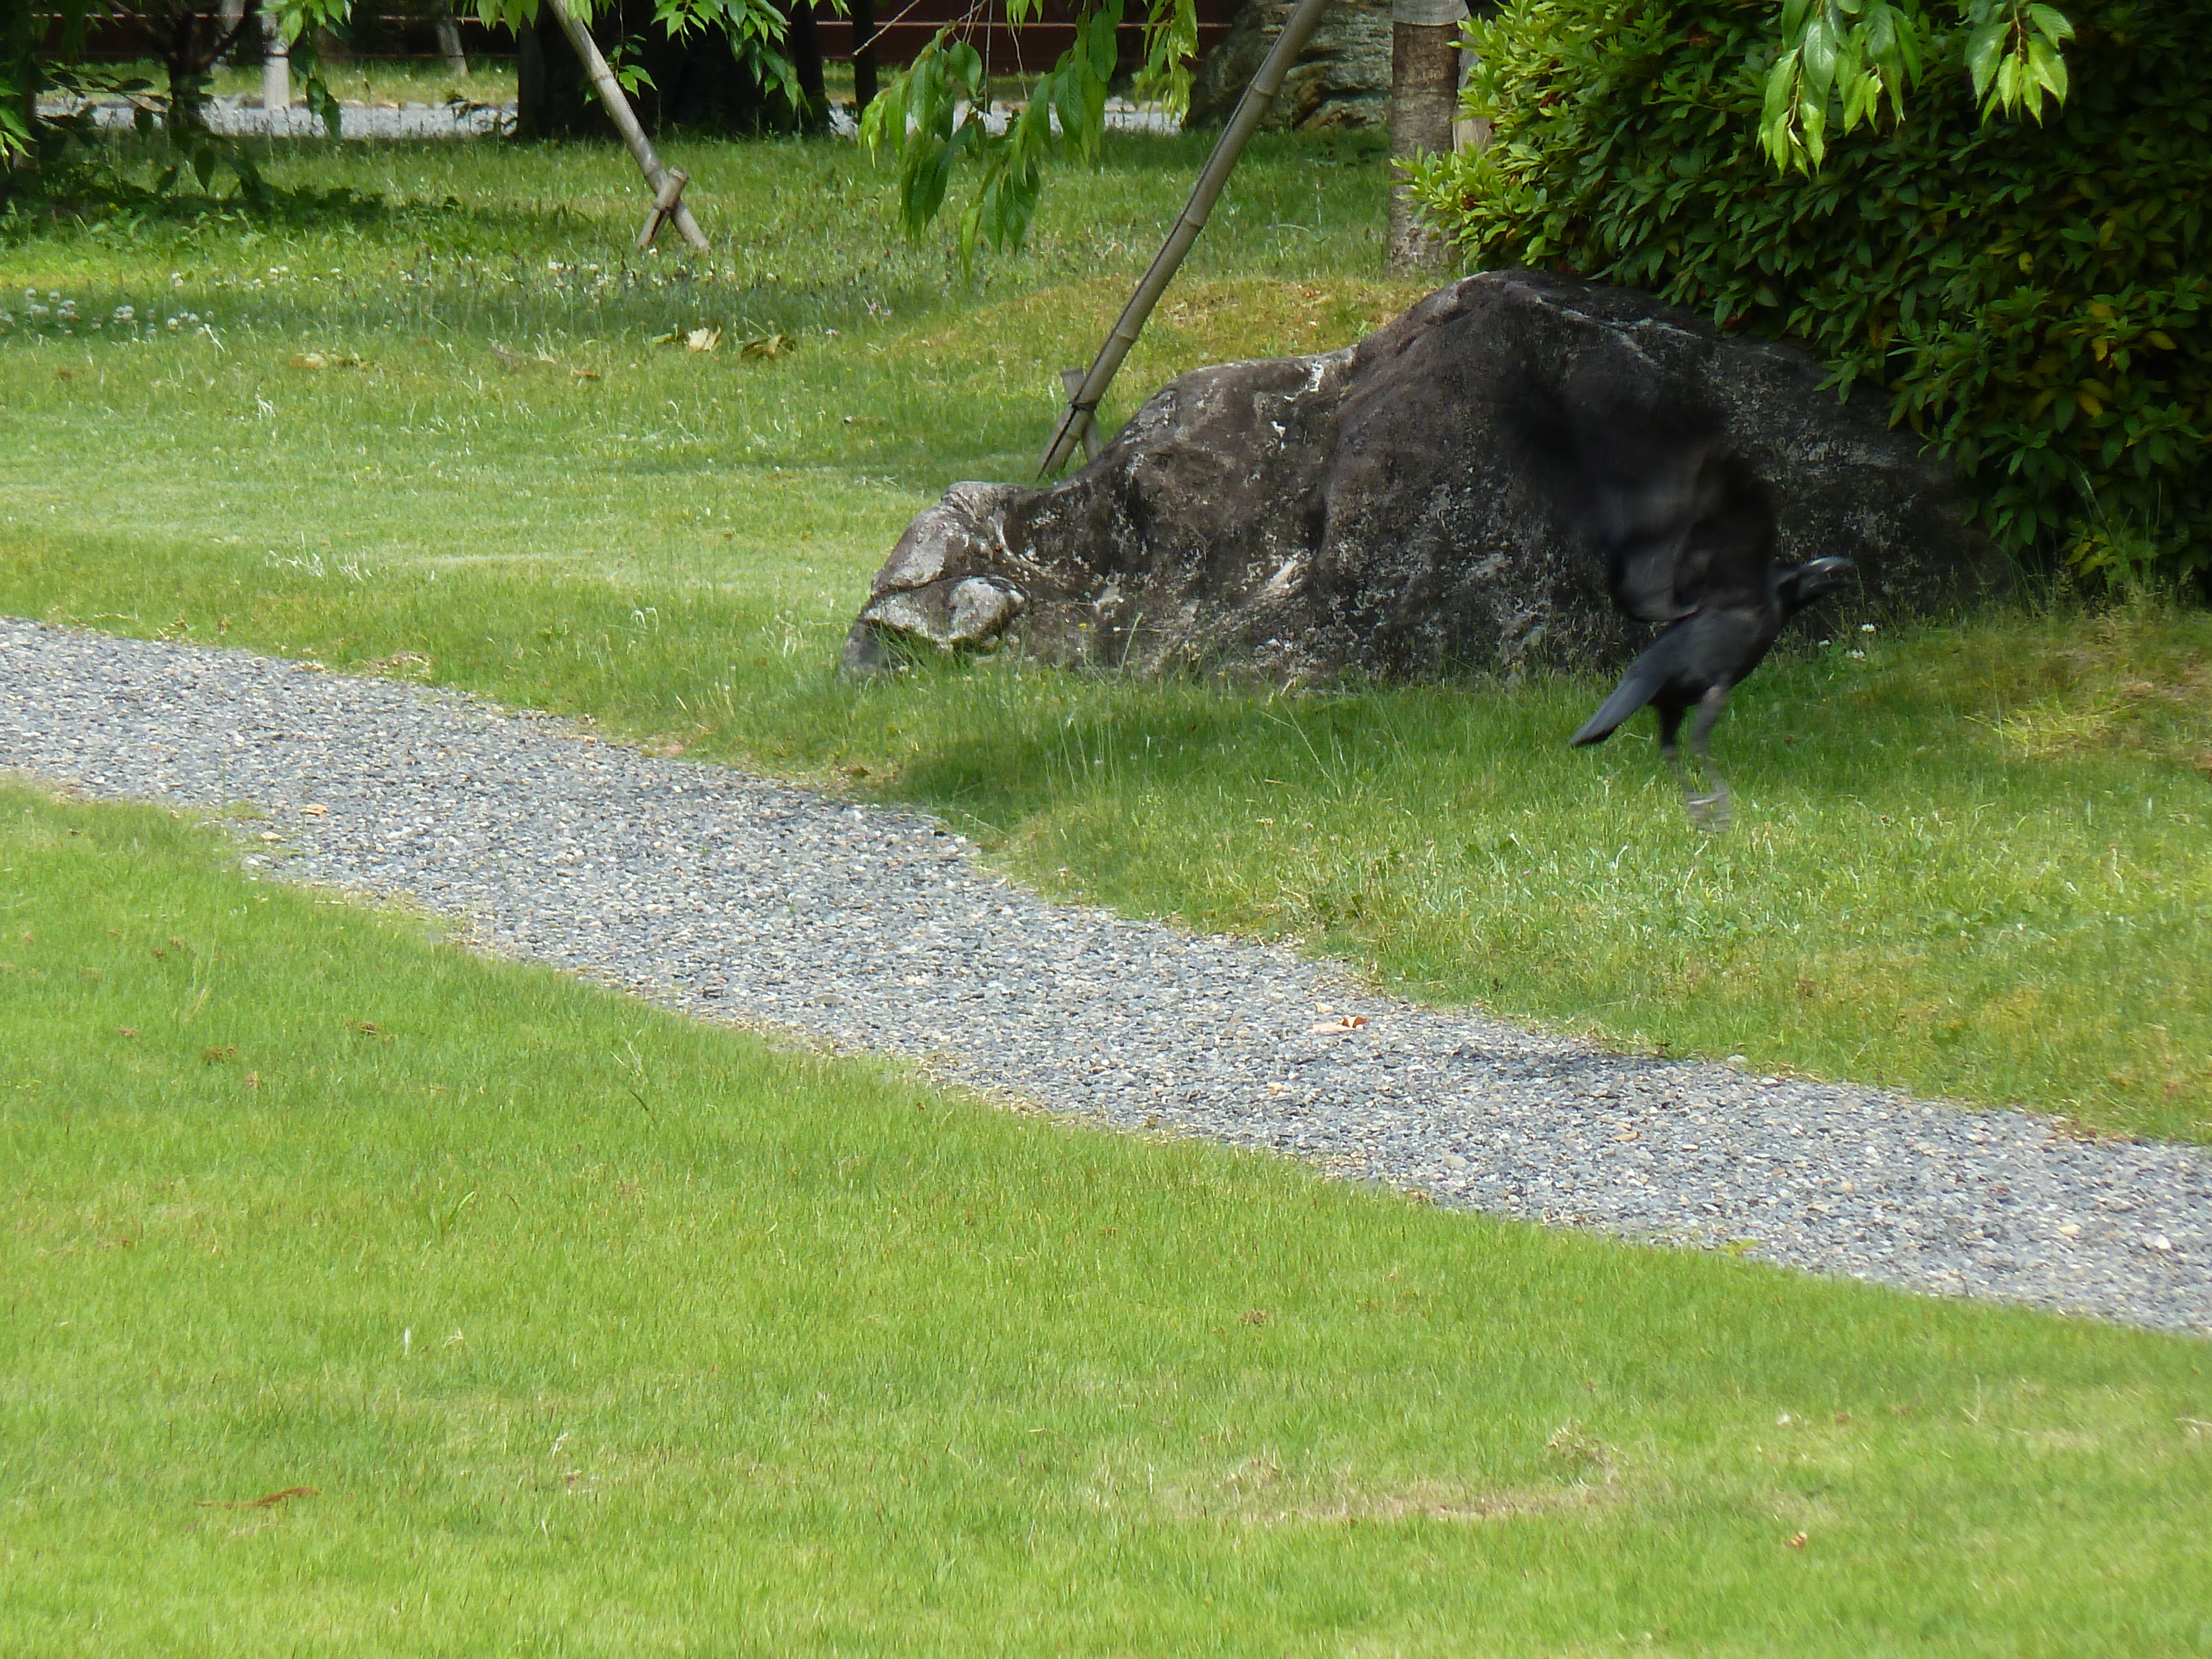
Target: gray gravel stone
757, 903
243, 116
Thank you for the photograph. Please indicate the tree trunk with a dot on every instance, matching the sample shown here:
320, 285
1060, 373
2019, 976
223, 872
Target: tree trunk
1424, 99
864, 53
187, 75
449, 46
803, 44
19, 70
276, 75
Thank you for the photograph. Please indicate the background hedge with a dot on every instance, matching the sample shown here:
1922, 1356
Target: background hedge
2032, 299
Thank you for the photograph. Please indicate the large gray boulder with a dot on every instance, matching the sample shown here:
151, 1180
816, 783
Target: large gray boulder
1431, 500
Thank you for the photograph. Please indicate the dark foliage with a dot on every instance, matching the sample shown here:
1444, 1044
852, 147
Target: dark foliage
2033, 299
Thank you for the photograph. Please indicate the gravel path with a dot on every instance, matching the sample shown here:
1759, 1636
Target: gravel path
243, 116
753, 902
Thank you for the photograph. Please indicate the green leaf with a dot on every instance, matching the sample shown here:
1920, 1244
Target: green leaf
1983, 48
2049, 70
1819, 52
1813, 125
1781, 90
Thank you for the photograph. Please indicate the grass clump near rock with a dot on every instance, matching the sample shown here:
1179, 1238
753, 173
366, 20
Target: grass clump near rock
367, 1296
2033, 299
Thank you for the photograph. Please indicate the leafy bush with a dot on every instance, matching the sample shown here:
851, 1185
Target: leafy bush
2033, 299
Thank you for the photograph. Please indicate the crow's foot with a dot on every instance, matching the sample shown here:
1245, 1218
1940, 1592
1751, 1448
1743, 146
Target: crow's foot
1711, 813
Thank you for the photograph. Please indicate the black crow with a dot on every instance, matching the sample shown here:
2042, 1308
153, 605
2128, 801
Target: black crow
1685, 531
1736, 600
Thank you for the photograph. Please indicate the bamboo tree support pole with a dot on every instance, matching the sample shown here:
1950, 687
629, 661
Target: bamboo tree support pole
625, 120
1076, 425
667, 202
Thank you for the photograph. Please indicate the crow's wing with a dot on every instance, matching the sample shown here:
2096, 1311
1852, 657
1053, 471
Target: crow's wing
1642, 574
1647, 676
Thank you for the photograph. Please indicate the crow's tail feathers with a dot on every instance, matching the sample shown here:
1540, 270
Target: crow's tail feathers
1645, 675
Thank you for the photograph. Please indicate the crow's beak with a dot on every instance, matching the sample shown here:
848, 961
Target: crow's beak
1817, 575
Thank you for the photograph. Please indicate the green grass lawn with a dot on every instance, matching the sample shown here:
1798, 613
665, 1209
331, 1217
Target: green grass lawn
1973, 860
357, 80
590, 1329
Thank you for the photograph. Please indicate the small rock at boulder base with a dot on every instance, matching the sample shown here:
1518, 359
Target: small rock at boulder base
1421, 503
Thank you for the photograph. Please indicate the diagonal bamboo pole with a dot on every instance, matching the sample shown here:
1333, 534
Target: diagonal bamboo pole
625, 120
1082, 401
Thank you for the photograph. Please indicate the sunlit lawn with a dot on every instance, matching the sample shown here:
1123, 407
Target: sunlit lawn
365, 1297
1972, 861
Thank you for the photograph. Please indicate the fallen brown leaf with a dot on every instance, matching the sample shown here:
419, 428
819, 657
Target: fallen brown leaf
266, 1501
1797, 1542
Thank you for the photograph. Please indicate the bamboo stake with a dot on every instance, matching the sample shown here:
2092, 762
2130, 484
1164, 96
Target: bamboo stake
625, 120
665, 204
1083, 403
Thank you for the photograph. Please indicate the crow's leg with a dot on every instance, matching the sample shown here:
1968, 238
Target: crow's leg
1709, 810
1670, 731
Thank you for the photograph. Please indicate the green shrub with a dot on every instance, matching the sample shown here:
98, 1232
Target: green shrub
2033, 299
